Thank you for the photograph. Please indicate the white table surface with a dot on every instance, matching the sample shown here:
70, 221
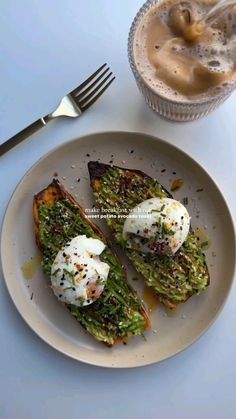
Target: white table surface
46, 49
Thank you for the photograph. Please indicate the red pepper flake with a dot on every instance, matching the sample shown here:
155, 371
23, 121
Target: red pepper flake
56, 230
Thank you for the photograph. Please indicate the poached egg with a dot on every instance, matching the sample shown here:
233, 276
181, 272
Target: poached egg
78, 276
158, 225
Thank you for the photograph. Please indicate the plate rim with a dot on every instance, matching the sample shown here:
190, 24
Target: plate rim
168, 145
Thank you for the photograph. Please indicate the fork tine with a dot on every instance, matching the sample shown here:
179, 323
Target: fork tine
82, 102
91, 102
82, 85
84, 92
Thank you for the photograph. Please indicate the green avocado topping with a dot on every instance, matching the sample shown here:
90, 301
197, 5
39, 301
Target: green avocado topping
118, 311
173, 278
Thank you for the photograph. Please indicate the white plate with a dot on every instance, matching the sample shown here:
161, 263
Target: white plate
48, 317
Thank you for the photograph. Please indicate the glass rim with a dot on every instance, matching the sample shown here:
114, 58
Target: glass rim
144, 9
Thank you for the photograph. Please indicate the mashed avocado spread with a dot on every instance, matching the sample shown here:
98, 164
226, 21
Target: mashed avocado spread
173, 278
117, 312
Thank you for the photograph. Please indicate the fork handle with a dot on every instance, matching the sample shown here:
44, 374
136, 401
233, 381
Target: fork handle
22, 135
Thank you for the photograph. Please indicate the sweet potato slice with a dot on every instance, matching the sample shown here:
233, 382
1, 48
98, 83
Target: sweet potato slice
118, 312
173, 278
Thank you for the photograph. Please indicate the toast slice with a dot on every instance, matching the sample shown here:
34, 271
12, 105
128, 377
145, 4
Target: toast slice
173, 278
118, 312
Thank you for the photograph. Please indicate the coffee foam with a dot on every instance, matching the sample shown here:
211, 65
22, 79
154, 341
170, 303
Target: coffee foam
217, 55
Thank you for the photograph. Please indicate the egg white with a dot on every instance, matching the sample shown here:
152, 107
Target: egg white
78, 276
158, 225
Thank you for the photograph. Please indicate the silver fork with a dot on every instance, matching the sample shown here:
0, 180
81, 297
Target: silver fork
71, 105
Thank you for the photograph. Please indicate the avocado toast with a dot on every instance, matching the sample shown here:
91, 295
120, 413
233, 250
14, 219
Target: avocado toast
118, 312
173, 278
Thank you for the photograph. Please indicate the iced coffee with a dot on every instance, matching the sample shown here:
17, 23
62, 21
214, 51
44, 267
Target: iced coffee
180, 60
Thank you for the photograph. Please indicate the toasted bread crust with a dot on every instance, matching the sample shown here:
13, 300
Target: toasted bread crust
56, 192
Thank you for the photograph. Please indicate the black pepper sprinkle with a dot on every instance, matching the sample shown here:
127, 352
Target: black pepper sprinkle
78, 180
88, 301
60, 295
182, 217
73, 288
76, 254
181, 228
111, 161
84, 276
87, 282
64, 254
163, 170
93, 292
173, 173
91, 256
131, 151
138, 231
80, 270
31, 297
88, 155
61, 283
